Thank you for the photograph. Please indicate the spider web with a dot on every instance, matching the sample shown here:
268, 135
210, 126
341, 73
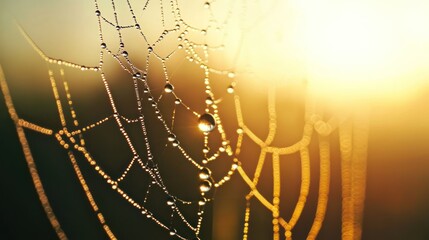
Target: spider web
149, 52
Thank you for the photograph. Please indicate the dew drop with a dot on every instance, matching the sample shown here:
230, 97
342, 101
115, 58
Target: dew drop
204, 173
121, 45
171, 137
150, 49
173, 232
177, 101
206, 4
203, 32
137, 26
202, 202
234, 166
209, 101
206, 123
175, 143
231, 74
230, 89
168, 88
103, 45
125, 53
97, 13
206, 150
240, 131
205, 186
170, 201
117, 28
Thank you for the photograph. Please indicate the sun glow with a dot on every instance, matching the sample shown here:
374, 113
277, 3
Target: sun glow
348, 50
367, 50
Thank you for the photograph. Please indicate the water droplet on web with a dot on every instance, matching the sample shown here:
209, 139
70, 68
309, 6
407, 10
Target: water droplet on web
117, 28
231, 74
175, 143
173, 232
209, 101
202, 202
206, 4
206, 123
206, 149
171, 137
170, 201
203, 32
234, 166
125, 53
230, 89
177, 101
103, 45
204, 173
97, 13
150, 49
205, 186
121, 45
168, 88
137, 26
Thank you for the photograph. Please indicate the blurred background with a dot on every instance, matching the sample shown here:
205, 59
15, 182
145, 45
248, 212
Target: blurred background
271, 54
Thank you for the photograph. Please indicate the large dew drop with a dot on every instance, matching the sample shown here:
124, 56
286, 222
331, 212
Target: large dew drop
206, 123
205, 186
168, 88
204, 174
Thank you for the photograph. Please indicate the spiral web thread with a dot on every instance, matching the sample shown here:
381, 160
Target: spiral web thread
353, 132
